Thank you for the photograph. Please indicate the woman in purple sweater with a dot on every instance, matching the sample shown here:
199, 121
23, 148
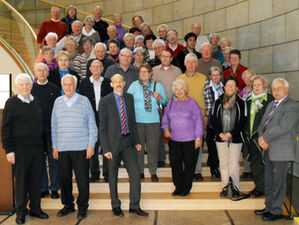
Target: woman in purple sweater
183, 124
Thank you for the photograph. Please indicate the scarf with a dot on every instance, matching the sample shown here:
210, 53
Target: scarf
217, 88
147, 94
228, 114
228, 101
256, 104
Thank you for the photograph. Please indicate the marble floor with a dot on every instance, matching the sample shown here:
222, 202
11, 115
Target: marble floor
231, 217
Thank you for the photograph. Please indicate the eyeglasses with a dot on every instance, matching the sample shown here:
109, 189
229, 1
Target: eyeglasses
127, 56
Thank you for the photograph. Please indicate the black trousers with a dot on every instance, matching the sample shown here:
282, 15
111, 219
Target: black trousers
213, 161
183, 158
28, 171
94, 163
69, 161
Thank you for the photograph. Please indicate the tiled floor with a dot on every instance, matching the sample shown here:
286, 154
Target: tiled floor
155, 218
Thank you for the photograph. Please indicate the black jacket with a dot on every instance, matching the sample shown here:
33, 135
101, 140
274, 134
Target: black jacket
55, 78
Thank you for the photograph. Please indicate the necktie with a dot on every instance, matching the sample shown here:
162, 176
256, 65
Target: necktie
270, 115
123, 116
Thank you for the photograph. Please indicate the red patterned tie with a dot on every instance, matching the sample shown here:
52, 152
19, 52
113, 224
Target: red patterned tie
123, 116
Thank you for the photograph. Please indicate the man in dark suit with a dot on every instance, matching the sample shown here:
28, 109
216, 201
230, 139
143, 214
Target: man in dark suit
277, 136
95, 88
119, 141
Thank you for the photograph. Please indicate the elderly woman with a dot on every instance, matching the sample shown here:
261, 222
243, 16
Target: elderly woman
148, 41
113, 47
139, 41
48, 57
216, 49
71, 16
129, 41
183, 124
71, 47
117, 20
137, 21
51, 40
226, 53
213, 89
146, 29
148, 95
138, 55
89, 31
162, 31
228, 119
246, 91
256, 107
224, 42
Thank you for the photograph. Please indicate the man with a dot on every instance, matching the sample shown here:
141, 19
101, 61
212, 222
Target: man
99, 51
277, 137
77, 27
190, 41
46, 92
119, 139
112, 33
99, 25
129, 72
206, 62
95, 88
74, 133
173, 45
52, 25
196, 29
22, 140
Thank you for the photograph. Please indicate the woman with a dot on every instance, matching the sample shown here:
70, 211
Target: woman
226, 53
71, 16
216, 49
148, 95
256, 107
71, 47
129, 41
146, 29
213, 89
137, 21
246, 77
224, 42
89, 31
48, 57
117, 20
183, 124
162, 32
113, 47
51, 40
138, 55
228, 119
148, 41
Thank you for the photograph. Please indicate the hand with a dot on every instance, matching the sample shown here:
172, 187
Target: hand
11, 158
55, 153
108, 155
198, 143
265, 146
167, 133
157, 96
138, 147
221, 135
89, 152
228, 136
261, 140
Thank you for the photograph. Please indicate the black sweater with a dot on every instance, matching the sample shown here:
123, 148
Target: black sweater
21, 125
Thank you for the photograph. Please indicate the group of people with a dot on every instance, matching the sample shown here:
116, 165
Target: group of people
100, 87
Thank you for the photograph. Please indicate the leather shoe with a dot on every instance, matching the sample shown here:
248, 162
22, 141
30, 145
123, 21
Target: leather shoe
65, 211
161, 163
198, 177
224, 192
20, 219
41, 215
44, 194
256, 193
142, 176
271, 217
82, 213
260, 212
183, 194
154, 178
118, 212
138, 212
176, 192
54, 195
94, 179
106, 179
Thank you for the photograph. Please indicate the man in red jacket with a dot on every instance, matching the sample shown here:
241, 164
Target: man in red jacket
173, 45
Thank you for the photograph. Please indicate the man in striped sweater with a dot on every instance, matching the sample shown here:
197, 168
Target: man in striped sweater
74, 133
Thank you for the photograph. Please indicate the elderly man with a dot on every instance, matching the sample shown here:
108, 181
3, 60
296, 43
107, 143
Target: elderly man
46, 92
95, 88
119, 141
52, 25
162, 30
173, 45
74, 134
99, 51
112, 33
206, 62
277, 137
99, 25
22, 140
77, 27
196, 83
196, 29
124, 67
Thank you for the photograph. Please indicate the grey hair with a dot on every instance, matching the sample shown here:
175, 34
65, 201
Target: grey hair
247, 71
145, 25
40, 64
117, 15
77, 21
111, 26
285, 82
139, 50
96, 60
159, 41
139, 37
162, 25
51, 34
214, 34
174, 30
22, 76
227, 48
179, 82
225, 39
125, 49
98, 7
71, 38
205, 43
190, 55
89, 18
215, 68
72, 76
256, 77
100, 44
55, 7
127, 35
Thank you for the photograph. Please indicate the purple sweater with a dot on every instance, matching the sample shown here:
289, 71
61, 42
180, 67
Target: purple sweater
186, 120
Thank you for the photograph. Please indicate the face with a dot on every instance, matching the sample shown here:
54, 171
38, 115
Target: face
258, 86
158, 48
162, 32
215, 77
172, 37
24, 87
112, 33
191, 65
223, 45
118, 84
214, 40
179, 91
230, 88
279, 91
234, 59
125, 58
117, 21
166, 58
97, 13
48, 55
51, 41
70, 46
196, 29
63, 62
96, 68
139, 57
87, 46
145, 31
41, 74
100, 52
226, 53
113, 49
149, 44
137, 22
139, 43
88, 23
191, 42
136, 33
129, 42
247, 78
55, 14
206, 52
71, 12
77, 28
144, 74
68, 87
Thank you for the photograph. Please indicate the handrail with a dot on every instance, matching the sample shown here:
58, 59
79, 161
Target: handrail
80, 11
20, 16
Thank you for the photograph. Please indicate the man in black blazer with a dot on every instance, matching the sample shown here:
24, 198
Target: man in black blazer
95, 88
119, 141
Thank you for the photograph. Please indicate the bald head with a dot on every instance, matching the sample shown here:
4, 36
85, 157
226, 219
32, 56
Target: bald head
118, 83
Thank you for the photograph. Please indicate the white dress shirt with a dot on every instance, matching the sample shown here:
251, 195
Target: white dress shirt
97, 90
